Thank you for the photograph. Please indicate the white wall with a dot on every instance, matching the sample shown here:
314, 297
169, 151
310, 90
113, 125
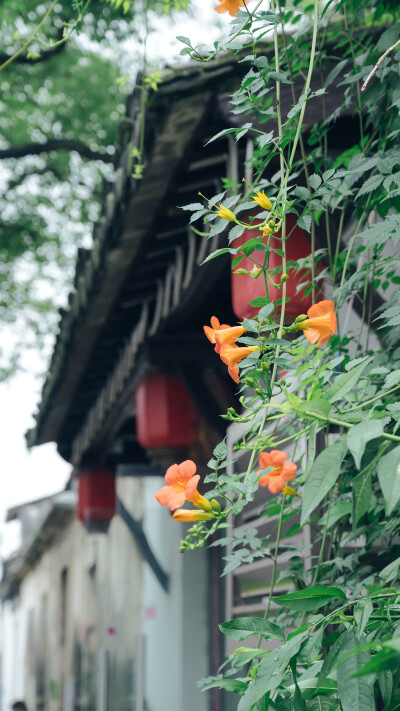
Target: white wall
177, 638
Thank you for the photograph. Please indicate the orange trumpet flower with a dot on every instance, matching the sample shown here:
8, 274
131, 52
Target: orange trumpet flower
283, 471
320, 324
231, 6
232, 355
228, 336
210, 331
181, 485
234, 373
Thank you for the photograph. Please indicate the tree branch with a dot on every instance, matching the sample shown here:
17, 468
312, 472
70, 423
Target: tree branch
56, 144
380, 60
42, 57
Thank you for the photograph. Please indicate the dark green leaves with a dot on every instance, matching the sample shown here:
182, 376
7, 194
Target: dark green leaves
362, 492
389, 478
356, 693
345, 382
243, 627
310, 599
322, 476
270, 672
361, 434
390, 572
235, 685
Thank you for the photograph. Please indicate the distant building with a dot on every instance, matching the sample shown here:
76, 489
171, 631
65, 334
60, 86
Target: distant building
122, 621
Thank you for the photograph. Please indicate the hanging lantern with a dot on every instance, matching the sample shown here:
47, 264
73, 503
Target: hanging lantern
166, 417
245, 288
96, 503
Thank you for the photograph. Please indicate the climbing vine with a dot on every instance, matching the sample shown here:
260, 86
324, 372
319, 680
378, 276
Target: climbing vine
318, 389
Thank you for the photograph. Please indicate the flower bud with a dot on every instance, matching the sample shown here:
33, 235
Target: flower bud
289, 491
262, 200
242, 272
266, 230
255, 272
300, 318
226, 214
215, 505
284, 278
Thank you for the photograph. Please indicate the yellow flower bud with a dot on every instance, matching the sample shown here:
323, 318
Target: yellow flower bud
255, 272
284, 278
267, 230
300, 318
226, 214
190, 515
215, 505
262, 200
242, 272
289, 491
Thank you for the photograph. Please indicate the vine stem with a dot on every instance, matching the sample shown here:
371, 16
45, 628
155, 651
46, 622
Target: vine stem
341, 423
275, 565
31, 37
306, 86
143, 98
321, 552
372, 399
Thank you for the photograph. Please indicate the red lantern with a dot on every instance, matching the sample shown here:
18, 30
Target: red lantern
96, 503
245, 288
166, 416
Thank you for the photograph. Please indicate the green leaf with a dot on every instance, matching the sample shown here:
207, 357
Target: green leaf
322, 477
382, 231
298, 701
220, 451
345, 382
217, 253
359, 435
316, 406
185, 40
392, 379
355, 693
315, 181
321, 703
333, 656
390, 572
270, 672
279, 76
235, 232
235, 685
310, 648
336, 511
386, 686
370, 185
305, 222
243, 627
362, 612
387, 659
259, 301
389, 478
362, 492
217, 228
309, 687
310, 599
264, 312
193, 206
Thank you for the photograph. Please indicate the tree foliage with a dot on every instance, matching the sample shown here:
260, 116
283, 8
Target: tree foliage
63, 94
